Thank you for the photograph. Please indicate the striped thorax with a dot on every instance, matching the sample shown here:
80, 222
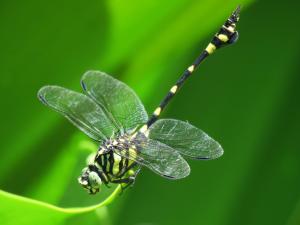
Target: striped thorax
109, 167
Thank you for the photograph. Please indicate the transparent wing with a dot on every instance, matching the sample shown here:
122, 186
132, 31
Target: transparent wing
119, 100
158, 157
81, 110
185, 138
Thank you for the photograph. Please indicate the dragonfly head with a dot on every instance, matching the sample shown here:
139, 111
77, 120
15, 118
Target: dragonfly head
90, 179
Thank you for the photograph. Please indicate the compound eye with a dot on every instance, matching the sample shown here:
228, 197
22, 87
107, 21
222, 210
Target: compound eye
94, 183
84, 170
94, 180
83, 181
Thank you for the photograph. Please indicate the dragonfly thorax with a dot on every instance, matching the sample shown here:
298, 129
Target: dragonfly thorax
109, 165
122, 142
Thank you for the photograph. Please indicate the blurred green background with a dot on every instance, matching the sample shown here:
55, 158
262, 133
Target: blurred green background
245, 96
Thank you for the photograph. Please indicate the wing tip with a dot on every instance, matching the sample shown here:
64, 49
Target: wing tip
182, 176
169, 177
218, 152
83, 85
91, 72
176, 178
87, 74
42, 99
41, 94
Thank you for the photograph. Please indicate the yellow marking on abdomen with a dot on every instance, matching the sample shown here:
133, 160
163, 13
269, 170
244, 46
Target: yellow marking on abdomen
157, 111
144, 128
223, 37
191, 68
174, 89
230, 28
210, 48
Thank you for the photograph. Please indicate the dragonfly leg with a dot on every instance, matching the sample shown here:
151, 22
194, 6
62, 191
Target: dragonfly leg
128, 181
124, 182
127, 169
136, 172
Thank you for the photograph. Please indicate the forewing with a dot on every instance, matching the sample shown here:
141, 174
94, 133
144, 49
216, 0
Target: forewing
158, 157
119, 100
185, 138
81, 110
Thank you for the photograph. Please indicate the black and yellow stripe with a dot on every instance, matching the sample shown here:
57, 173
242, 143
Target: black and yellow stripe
111, 167
226, 35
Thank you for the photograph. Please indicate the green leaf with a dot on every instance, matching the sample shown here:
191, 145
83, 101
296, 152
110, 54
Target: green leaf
31, 210
15, 209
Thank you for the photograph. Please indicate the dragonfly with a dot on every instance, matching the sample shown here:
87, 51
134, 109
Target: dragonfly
112, 114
